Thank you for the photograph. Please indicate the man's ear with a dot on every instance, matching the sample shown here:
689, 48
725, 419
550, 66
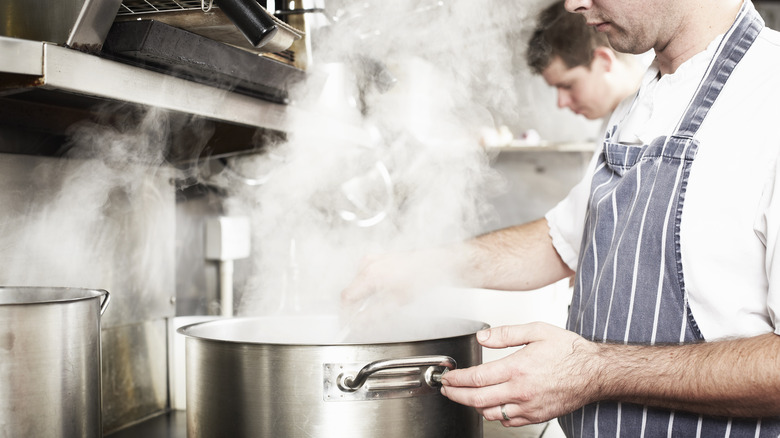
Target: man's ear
604, 58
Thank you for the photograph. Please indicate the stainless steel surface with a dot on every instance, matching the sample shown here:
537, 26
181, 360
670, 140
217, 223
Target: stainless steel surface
135, 373
50, 361
82, 24
59, 68
245, 378
21, 57
92, 24
172, 424
67, 222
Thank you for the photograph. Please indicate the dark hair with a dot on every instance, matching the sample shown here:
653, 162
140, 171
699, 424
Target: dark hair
564, 34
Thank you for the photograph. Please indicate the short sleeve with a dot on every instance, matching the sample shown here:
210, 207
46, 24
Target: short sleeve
767, 228
567, 219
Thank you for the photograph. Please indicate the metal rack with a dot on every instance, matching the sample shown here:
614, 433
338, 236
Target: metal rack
142, 6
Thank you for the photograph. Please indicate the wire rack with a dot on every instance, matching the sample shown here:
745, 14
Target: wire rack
131, 7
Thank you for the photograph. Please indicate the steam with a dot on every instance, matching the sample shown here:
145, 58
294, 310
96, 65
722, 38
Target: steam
382, 155
100, 216
406, 86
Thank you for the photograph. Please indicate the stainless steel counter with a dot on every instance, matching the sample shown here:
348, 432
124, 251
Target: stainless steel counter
174, 425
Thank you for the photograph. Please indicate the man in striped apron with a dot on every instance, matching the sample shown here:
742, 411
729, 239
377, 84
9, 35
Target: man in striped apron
672, 329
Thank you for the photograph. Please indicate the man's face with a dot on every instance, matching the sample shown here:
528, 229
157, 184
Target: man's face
581, 89
632, 26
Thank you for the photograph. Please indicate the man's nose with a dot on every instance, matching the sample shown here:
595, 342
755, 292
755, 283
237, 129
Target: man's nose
578, 5
564, 99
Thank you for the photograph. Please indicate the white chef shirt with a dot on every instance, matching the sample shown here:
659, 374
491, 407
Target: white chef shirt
730, 224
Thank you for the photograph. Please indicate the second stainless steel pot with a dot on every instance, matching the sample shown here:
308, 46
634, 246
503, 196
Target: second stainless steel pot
50, 362
262, 377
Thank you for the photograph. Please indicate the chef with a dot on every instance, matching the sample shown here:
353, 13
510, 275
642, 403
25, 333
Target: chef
673, 327
590, 78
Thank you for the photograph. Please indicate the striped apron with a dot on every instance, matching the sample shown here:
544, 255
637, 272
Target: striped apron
630, 286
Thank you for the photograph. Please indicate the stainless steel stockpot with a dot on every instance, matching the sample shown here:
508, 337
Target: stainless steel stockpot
50, 362
282, 377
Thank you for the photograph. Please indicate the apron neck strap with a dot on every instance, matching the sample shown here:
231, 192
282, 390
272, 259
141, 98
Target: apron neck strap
729, 53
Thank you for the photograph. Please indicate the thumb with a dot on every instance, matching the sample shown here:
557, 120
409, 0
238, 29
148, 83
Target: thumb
510, 335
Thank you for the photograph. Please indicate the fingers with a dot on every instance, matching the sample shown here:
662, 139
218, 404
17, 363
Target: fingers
492, 373
513, 418
534, 383
483, 386
481, 397
513, 335
485, 375
496, 372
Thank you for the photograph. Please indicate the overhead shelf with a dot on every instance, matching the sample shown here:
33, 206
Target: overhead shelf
31, 65
46, 88
517, 146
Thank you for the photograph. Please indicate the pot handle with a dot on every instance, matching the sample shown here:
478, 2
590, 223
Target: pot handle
104, 304
349, 383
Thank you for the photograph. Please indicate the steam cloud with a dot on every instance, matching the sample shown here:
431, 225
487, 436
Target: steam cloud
452, 62
98, 219
384, 156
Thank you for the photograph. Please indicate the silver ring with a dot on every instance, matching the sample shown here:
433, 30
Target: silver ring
503, 413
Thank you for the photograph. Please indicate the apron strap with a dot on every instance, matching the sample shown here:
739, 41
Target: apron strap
732, 48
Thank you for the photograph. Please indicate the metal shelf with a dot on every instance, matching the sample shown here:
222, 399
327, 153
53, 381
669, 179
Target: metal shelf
31, 65
517, 146
46, 88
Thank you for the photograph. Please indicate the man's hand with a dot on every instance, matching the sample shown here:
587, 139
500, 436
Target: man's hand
558, 371
550, 376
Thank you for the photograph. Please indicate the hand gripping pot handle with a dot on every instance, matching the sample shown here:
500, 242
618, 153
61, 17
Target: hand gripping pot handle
350, 383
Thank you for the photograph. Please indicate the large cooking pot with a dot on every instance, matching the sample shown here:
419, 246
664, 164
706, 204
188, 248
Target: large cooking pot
286, 377
50, 362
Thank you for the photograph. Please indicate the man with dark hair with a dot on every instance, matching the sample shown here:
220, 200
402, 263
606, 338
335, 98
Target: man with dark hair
590, 77
559, 33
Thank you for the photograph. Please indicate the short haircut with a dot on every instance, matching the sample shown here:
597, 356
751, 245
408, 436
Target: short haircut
563, 34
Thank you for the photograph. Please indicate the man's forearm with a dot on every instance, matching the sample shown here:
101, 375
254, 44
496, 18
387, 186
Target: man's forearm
739, 378
516, 258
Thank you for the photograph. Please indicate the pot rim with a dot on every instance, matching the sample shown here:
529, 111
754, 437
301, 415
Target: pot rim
187, 330
23, 295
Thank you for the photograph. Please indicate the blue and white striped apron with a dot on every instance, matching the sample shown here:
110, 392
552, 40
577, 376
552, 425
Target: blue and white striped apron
630, 286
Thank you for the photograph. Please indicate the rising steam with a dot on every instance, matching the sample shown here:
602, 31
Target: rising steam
382, 155
100, 216
396, 89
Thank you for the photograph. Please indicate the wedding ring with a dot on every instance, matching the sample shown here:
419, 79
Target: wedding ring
503, 413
